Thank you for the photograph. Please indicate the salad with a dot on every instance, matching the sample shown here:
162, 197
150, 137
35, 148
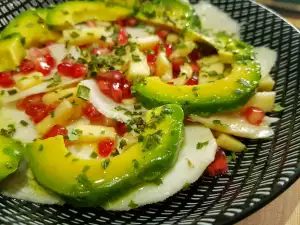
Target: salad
119, 104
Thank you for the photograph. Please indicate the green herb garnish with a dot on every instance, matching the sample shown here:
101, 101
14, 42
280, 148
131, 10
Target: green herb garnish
123, 143
105, 163
136, 58
135, 163
218, 122
74, 34
73, 134
200, 145
133, 205
41, 148
83, 92
23, 123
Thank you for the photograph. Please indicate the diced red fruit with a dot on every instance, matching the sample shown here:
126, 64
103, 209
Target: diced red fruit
254, 115
74, 70
130, 22
170, 83
112, 75
116, 92
152, 67
34, 53
122, 37
27, 66
6, 79
195, 55
195, 68
92, 113
114, 85
169, 49
42, 59
176, 63
34, 107
55, 131
219, 165
105, 147
151, 58
192, 81
162, 34
100, 51
121, 128
45, 64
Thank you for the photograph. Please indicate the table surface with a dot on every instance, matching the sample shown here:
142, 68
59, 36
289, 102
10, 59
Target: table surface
284, 210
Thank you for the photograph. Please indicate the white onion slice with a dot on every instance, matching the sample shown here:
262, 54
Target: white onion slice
181, 174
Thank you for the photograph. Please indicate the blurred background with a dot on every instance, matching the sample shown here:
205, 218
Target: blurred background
290, 9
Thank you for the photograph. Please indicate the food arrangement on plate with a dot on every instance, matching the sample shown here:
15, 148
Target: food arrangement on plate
123, 104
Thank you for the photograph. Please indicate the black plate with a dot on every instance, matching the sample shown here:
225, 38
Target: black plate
257, 177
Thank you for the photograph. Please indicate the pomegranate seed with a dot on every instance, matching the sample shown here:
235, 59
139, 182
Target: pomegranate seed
105, 147
219, 165
254, 115
6, 79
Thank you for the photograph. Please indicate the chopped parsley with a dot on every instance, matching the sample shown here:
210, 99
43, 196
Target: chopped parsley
85, 168
277, 108
152, 140
190, 164
137, 106
9, 131
23, 123
74, 34
218, 122
135, 163
12, 92
83, 92
186, 186
105, 163
84, 181
66, 96
136, 58
56, 80
52, 114
200, 145
123, 143
94, 155
133, 205
73, 134
120, 51
41, 148
68, 154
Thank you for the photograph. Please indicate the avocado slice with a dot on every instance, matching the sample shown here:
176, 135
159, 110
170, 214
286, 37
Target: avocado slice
10, 156
223, 95
67, 14
98, 182
31, 26
178, 15
12, 52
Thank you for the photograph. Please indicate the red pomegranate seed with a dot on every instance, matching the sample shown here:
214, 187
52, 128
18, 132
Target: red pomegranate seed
219, 165
6, 79
105, 147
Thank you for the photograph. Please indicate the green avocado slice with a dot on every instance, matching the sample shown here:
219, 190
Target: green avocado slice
10, 156
223, 95
31, 26
12, 52
178, 15
97, 182
67, 14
